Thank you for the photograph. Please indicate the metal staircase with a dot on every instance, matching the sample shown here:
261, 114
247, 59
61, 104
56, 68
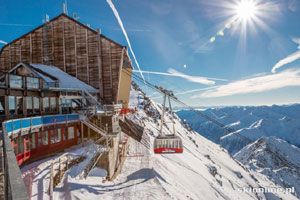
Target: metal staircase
95, 127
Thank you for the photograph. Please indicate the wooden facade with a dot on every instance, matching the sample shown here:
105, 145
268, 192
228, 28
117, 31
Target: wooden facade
76, 49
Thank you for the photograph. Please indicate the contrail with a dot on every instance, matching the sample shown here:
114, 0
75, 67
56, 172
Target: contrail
178, 74
125, 34
1, 41
4, 24
287, 60
186, 92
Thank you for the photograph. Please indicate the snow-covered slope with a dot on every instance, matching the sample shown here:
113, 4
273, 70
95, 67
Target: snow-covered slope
252, 122
274, 159
203, 171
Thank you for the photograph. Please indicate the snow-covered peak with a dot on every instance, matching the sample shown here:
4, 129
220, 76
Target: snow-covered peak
273, 159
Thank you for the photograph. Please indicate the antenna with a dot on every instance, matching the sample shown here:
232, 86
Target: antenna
65, 7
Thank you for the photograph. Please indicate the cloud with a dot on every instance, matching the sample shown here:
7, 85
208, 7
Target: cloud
254, 85
125, 34
195, 79
297, 41
1, 41
289, 59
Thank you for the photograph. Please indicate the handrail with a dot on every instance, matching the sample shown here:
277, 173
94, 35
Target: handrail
14, 185
25, 124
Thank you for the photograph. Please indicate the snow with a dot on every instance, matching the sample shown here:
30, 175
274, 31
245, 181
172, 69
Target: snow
273, 159
250, 121
66, 81
203, 171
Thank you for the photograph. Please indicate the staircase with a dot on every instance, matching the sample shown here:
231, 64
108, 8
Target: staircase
93, 162
95, 128
92, 99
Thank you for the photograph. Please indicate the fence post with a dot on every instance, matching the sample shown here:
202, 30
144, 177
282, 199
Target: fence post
59, 169
67, 165
51, 182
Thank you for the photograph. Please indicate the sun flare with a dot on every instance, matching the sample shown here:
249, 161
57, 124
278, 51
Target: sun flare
245, 10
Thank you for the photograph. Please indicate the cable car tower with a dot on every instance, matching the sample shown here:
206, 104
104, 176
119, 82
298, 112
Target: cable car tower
164, 143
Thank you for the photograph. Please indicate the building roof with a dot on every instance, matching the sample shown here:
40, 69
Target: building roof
70, 18
52, 74
65, 81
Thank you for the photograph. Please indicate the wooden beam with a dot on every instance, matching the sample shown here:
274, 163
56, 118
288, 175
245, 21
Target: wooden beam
64, 45
10, 56
120, 71
20, 49
52, 43
110, 67
100, 65
87, 56
42, 48
30, 48
75, 47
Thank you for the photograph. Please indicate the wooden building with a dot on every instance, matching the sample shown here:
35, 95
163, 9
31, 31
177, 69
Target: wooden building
77, 50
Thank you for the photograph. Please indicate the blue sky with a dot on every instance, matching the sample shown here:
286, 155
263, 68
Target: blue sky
233, 67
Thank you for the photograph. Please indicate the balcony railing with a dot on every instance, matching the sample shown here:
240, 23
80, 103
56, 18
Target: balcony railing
13, 127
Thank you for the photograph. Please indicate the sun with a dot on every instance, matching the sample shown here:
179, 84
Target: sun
245, 10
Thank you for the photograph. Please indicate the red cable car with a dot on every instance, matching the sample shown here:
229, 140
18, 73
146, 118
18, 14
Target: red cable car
167, 144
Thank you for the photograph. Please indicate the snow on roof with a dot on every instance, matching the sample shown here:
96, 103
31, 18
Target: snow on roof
66, 81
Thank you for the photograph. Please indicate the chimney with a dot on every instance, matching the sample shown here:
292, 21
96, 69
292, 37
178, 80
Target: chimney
99, 31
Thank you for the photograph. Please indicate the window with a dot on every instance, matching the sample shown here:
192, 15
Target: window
32, 83
53, 104
26, 143
12, 105
71, 134
2, 80
29, 105
66, 106
40, 134
45, 138
32, 141
64, 131
15, 144
19, 105
55, 136
2, 105
36, 104
15, 81
46, 107
20, 145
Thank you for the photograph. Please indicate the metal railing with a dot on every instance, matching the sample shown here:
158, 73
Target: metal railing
31, 124
14, 187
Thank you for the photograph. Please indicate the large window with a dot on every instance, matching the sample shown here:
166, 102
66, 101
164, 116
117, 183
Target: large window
45, 138
53, 104
20, 145
36, 104
19, 105
32, 141
12, 105
71, 134
32, 83
29, 105
55, 136
15, 81
2, 105
46, 106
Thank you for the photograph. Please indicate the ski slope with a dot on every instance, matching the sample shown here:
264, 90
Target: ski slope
203, 171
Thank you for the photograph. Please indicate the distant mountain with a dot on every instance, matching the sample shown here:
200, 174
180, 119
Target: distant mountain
274, 159
249, 121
